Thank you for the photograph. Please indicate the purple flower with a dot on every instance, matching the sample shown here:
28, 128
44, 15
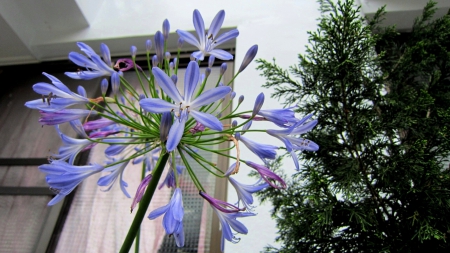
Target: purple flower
197, 128
96, 67
53, 117
71, 147
208, 41
116, 171
267, 175
245, 192
63, 177
56, 96
173, 217
159, 46
97, 124
293, 143
169, 181
140, 191
125, 65
263, 151
227, 215
186, 105
220, 205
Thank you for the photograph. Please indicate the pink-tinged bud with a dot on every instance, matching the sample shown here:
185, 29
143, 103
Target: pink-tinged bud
115, 83
140, 191
249, 56
125, 65
211, 61
133, 50
223, 68
258, 104
166, 29
148, 46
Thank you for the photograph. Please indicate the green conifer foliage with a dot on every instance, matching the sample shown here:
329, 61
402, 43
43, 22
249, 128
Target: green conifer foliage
381, 180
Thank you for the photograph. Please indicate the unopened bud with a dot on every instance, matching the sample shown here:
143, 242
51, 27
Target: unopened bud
211, 61
148, 46
180, 43
207, 72
174, 79
223, 68
258, 104
133, 52
159, 45
166, 29
115, 83
155, 61
104, 86
167, 55
249, 56
241, 99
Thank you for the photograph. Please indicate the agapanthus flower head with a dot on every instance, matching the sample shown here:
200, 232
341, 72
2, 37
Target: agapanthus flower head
208, 41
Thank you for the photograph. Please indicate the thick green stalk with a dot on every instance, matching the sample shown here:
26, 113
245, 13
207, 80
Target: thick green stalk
144, 203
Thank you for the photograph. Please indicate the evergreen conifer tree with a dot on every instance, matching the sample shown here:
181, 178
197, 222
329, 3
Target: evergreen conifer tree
381, 180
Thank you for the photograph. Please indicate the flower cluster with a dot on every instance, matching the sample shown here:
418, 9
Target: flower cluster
157, 125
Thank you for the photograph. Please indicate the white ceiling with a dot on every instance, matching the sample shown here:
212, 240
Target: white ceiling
34, 31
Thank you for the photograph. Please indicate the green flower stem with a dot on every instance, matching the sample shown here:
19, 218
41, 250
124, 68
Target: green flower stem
144, 203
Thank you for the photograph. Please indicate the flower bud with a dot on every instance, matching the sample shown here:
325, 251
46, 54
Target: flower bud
148, 46
234, 123
174, 79
167, 55
82, 91
241, 99
171, 66
232, 94
133, 52
211, 61
155, 61
115, 83
159, 45
166, 29
249, 56
207, 72
166, 123
223, 68
104, 86
258, 104
180, 43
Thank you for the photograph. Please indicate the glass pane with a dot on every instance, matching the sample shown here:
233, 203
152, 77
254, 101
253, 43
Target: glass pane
24, 176
21, 222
